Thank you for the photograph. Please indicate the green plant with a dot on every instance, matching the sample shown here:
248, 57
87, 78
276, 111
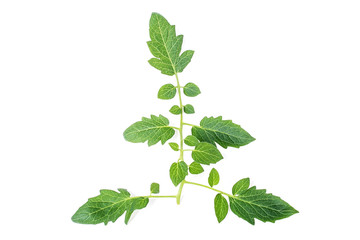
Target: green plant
246, 202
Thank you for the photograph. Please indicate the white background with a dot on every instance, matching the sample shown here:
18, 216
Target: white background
74, 75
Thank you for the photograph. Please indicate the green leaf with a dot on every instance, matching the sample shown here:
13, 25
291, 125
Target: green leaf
195, 168
241, 186
166, 47
154, 188
214, 177
108, 206
152, 129
191, 90
174, 146
184, 60
255, 203
224, 132
221, 207
206, 153
175, 110
191, 140
178, 172
189, 109
134, 204
168, 91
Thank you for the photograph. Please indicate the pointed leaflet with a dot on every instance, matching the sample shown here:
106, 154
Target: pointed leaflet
256, 203
166, 47
195, 168
214, 177
134, 204
178, 172
241, 186
224, 132
189, 109
152, 129
206, 153
221, 207
191, 140
168, 91
174, 146
191, 90
176, 110
108, 206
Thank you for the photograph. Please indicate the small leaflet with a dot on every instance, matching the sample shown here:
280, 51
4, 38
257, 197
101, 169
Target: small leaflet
191, 90
214, 177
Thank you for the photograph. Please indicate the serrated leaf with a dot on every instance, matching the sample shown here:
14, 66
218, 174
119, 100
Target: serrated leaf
221, 207
223, 132
189, 109
195, 168
206, 153
255, 203
152, 129
167, 91
214, 177
166, 47
174, 146
108, 206
154, 188
191, 141
191, 90
175, 110
241, 186
178, 172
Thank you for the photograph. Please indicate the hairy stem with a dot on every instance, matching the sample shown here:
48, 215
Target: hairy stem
201, 185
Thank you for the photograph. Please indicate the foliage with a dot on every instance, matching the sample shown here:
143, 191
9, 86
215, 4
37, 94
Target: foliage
245, 202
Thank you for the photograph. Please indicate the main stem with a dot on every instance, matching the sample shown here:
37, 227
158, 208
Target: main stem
181, 158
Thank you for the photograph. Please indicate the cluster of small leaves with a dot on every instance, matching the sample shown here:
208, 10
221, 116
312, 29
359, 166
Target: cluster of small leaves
245, 202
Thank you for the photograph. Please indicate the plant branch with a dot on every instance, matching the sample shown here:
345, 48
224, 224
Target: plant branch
201, 185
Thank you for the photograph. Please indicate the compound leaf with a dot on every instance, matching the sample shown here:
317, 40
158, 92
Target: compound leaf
108, 206
214, 177
195, 168
206, 153
256, 203
166, 47
152, 129
178, 172
221, 207
224, 132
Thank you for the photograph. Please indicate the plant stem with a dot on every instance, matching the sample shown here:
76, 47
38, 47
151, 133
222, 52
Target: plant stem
201, 185
181, 158
181, 120
179, 192
192, 125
